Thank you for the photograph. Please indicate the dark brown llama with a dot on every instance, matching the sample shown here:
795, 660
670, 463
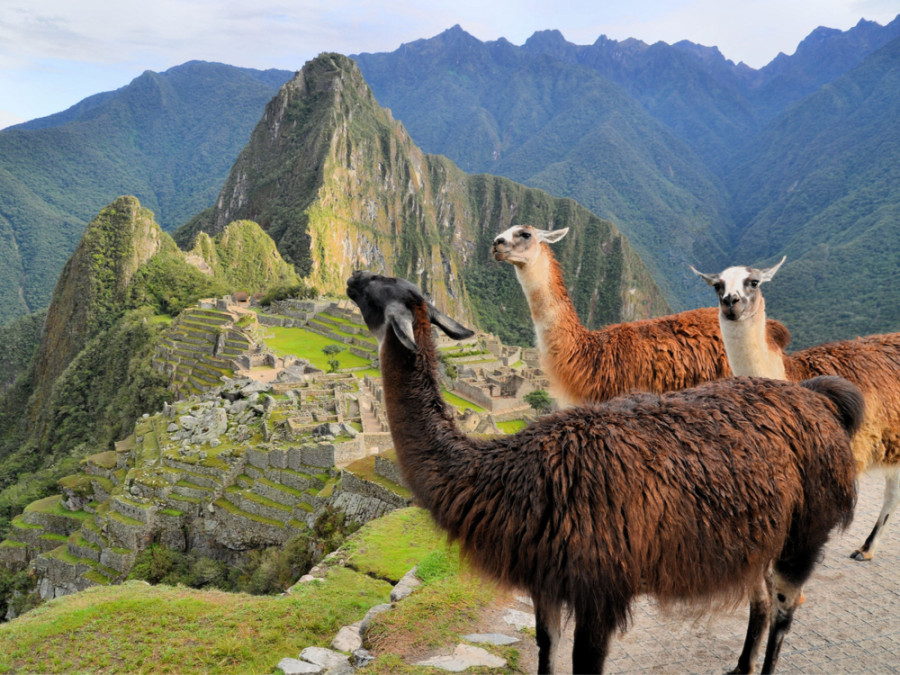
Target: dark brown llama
591, 366
688, 496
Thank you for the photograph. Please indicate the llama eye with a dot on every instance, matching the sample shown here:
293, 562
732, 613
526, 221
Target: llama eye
525, 235
753, 283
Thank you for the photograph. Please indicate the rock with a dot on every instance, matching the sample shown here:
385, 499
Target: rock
498, 639
296, 667
406, 585
360, 658
463, 657
367, 619
347, 639
172, 427
255, 387
519, 619
330, 660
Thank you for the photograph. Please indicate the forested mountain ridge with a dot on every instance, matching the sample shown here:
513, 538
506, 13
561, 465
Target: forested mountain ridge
719, 119
168, 138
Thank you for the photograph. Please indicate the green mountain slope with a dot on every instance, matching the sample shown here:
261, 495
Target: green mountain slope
339, 185
168, 138
90, 376
567, 129
822, 186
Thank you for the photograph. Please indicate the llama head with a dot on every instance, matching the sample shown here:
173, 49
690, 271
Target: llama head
520, 245
738, 289
388, 302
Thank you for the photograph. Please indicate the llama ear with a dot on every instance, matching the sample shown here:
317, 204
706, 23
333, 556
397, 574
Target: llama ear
711, 279
452, 328
551, 236
399, 318
768, 273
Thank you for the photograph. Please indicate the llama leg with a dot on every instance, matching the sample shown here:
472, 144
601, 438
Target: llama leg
786, 599
790, 572
592, 634
891, 499
547, 619
760, 606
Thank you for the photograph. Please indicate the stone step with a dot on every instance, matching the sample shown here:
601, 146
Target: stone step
275, 530
259, 506
80, 547
188, 489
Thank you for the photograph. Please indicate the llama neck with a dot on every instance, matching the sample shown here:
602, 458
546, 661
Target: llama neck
427, 440
749, 352
551, 307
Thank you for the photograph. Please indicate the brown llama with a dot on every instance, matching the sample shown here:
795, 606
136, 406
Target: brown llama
688, 496
584, 366
871, 363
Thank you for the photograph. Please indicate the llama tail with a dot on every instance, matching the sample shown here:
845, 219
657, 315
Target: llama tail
846, 396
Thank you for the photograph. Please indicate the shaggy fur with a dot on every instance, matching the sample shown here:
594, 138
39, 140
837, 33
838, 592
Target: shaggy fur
654, 355
871, 363
687, 496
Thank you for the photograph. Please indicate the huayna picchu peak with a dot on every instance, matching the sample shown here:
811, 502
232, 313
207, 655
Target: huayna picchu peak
339, 185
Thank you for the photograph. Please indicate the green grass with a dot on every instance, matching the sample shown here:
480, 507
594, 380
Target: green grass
183, 630
308, 345
392, 545
461, 403
512, 426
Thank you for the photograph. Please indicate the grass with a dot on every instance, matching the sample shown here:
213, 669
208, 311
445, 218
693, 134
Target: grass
392, 545
461, 403
308, 345
183, 630
512, 426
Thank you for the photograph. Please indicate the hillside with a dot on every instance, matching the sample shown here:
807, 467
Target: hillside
822, 186
693, 157
168, 138
567, 129
339, 185
91, 375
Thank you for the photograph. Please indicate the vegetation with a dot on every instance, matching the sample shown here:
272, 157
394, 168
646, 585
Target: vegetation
138, 628
264, 572
539, 400
170, 138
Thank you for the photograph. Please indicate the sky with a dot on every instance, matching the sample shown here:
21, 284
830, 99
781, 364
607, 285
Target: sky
54, 53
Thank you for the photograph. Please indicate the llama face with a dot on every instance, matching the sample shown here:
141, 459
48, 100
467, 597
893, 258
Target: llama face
390, 302
738, 289
520, 245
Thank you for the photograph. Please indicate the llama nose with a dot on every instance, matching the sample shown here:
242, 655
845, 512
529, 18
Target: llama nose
730, 300
499, 240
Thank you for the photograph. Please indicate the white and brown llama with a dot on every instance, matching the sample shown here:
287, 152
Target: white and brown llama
688, 496
872, 363
591, 366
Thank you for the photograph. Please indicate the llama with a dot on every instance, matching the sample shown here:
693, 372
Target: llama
656, 355
689, 496
872, 363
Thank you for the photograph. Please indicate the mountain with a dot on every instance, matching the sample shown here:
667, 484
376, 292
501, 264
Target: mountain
168, 138
339, 185
90, 376
565, 128
687, 152
822, 186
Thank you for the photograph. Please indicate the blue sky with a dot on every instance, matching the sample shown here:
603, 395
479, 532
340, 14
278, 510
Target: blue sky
54, 53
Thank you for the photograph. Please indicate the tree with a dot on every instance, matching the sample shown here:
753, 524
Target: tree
331, 350
539, 400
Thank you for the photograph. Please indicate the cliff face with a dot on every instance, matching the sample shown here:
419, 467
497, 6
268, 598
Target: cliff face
340, 185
